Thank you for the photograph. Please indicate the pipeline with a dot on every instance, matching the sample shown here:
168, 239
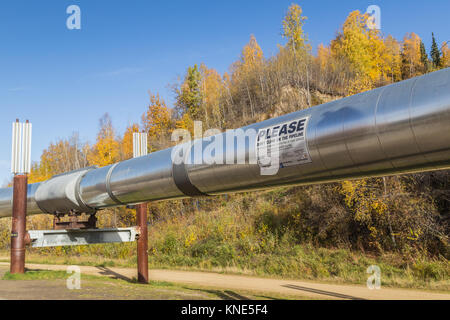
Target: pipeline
400, 128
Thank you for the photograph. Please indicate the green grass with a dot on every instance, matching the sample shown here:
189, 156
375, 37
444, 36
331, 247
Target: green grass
45, 275
324, 265
300, 262
253, 236
107, 287
36, 275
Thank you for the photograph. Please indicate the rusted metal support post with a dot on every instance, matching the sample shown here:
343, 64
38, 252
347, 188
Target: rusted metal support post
20, 167
18, 228
142, 243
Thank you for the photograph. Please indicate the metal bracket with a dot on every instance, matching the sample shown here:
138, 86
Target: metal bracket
74, 223
56, 238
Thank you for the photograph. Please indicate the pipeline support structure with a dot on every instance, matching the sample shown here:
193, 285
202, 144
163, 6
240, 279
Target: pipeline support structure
18, 225
142, 242
400, 128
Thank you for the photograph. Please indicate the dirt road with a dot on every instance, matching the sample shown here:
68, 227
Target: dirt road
302, 289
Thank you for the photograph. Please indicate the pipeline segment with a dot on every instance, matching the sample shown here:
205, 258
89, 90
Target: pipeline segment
400, 128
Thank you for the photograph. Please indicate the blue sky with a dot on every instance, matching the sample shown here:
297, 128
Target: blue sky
65, 80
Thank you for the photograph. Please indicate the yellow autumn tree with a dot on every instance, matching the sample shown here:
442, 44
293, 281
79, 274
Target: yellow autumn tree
106, 150
186, 122
251, 57
228, 101
445, 59
393, 59
365, 49
53, 160
126, 145
323, 55
365, 205
212, 90
293, 28
47, 166
332, 74
35, 173
244, 70
157, 121
411, 57
62, 156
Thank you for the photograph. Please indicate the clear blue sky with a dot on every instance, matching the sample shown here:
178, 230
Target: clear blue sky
65, 80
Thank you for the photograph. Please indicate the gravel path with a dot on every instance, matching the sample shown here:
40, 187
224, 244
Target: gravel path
304, 289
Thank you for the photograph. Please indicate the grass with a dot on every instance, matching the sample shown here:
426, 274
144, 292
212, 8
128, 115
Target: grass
36, 275
47, 275
323, 265
252, 236
103, 287
298, 262
72, 259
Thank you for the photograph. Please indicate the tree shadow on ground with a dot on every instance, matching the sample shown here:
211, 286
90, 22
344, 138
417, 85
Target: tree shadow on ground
317, 291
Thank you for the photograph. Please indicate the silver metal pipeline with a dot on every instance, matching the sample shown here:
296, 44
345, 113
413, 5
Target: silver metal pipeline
400, 128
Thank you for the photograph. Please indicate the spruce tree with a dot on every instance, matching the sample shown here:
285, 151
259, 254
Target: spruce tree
424, 57
435, 53
189, 96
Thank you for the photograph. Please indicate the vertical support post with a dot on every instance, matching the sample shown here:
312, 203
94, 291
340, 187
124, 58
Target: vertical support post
139, 150
20, 167
142, 243
18, 228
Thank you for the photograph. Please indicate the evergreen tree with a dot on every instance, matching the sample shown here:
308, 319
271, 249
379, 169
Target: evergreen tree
424, 57
189, 95
435, 53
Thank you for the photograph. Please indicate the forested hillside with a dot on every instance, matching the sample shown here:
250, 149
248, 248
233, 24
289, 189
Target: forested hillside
314, 231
